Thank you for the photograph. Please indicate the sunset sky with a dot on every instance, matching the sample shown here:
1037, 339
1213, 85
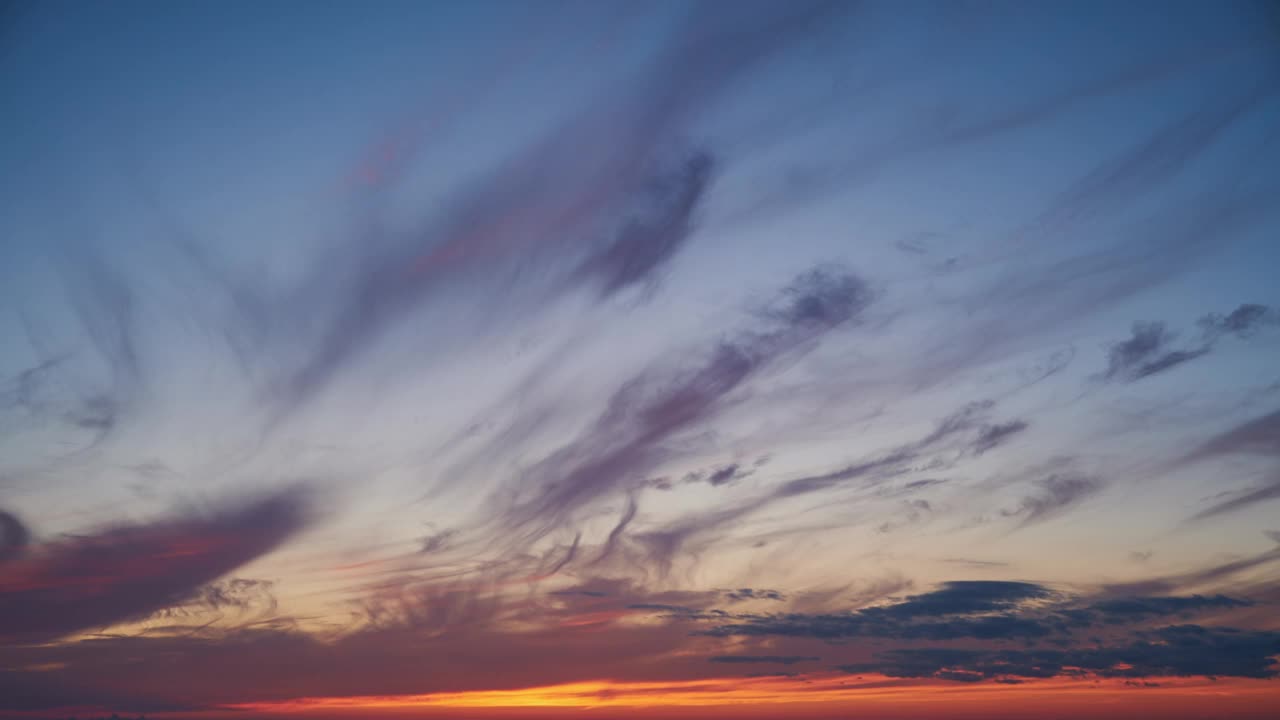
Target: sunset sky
593, 359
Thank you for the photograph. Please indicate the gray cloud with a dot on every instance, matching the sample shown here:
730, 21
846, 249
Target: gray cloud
1147, 352
1184, 650
1055, 494
751, 659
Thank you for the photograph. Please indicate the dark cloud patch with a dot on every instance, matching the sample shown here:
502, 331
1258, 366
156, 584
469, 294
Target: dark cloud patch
723, 475
1145, 353
741, 594
992, 436
1242, 322
128, 572
1184, 650
438, 541
966, 597
14, 536
1148, 350
751, 659
653, 235
1135, 608
237, 593
1054, 495
1166, 361
992, 611
869, 624
720, 475
961, 609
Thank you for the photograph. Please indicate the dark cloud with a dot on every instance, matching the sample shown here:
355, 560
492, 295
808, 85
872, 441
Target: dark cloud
1135, 608
723, 475
779, 659
1242, 322
128, 572
1145, 353
1055, 494
14, 536
1185, 650
438, 541
646, 242
741, 594
992, 436
975, 610
961, 609
870, 624
968, 596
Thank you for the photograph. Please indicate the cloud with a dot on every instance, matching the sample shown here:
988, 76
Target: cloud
603, 200
1133, 608
1184, 650
434, 647
741, 594
967, 596
1196, 578
1260, 436
645, 243
779, 659
973, 609
129, 571
1242, 322
626, 441
1270, 490
723, 475
992, 436
960, 609
1257, 437
14, 537
953, 438
1147, 352
1056, 493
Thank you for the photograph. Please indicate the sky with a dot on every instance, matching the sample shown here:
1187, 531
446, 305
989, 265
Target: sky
639, 359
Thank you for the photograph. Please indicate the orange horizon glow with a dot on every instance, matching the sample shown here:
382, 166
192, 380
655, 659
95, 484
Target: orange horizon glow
820, 691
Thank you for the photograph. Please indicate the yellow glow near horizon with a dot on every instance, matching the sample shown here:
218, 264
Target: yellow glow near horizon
720, 692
